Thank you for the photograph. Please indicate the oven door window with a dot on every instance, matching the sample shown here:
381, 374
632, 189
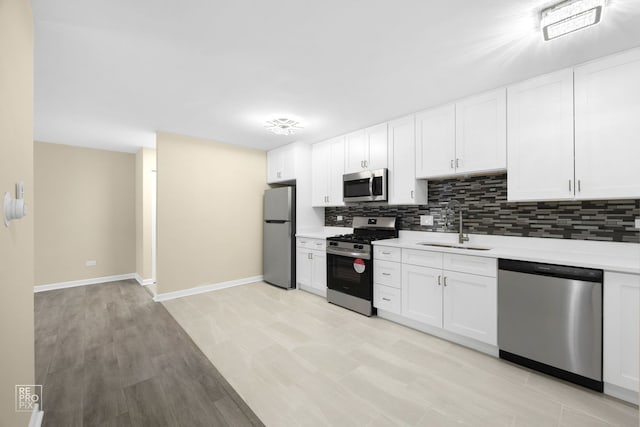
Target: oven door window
356, 188
352, 276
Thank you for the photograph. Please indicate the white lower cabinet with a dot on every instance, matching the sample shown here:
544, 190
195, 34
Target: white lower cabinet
470, 306
386, 298
621, 330
421, 294
386, 279
455, 292
311, 265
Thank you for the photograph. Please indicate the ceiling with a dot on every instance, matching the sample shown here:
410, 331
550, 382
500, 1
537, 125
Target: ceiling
110, 73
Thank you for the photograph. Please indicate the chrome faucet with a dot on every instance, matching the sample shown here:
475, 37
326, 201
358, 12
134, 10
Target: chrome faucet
461, 236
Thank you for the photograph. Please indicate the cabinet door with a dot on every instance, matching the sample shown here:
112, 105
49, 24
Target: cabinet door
540, 138
376, 139
470, 306
303, 268
435, 145
422, 294
356, 151
320, 174
319, 271
607, 108
481, 133
275, 165
402, 176
621, 332
336, 170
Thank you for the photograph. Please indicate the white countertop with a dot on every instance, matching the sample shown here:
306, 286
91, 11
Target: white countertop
611, 256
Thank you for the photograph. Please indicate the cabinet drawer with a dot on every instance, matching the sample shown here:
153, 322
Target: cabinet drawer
386, 298
471, 264
387, 273
422, 258
315, 244
387, 253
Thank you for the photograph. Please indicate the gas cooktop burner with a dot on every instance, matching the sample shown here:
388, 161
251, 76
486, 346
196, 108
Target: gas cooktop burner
354, 238
368, 229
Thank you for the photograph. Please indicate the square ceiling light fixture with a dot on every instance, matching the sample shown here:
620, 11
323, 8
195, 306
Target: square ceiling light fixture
283, 126
569, 16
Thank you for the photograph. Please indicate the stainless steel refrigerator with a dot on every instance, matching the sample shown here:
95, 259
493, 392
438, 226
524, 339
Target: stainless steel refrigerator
279, 264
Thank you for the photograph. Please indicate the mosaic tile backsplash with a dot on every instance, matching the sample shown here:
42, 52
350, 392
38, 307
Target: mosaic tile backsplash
485, 210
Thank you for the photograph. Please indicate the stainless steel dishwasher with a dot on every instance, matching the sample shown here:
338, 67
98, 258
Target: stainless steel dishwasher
550, 319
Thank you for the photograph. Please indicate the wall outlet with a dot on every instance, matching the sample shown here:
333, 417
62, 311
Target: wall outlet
339, 218
90, 263
637, 222
426, 219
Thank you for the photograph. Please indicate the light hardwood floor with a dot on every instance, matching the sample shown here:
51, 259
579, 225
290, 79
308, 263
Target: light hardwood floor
297, 360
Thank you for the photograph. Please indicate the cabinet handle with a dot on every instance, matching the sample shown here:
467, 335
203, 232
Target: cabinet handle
569, 185
309, 255
439, 280
386, 274
445, 280
366, 163
386, 253
457, 163
362, 164
303, 241
451, 165
386, 299
411, 194
579, 189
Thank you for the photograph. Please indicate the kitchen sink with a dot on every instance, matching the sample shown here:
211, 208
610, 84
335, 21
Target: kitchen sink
444, 245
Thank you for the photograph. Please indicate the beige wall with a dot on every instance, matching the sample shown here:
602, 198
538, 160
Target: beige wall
85, 210
16, 242
209, 212
145, 174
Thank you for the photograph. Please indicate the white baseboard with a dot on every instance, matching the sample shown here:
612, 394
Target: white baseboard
206, 288
314, 291
83, 282
489, 349
36, 417
143, 282
621, 393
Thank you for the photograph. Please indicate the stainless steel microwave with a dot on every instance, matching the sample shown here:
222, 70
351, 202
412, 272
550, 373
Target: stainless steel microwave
366, 186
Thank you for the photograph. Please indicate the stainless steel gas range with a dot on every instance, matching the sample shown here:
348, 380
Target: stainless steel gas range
350, 263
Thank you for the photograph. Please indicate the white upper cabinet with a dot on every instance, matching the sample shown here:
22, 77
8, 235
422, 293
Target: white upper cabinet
467, 137
436, 138
327, 169
366, 149
376, 137
320, 174
481, 133
607, 133
404, 189
356, 150
540, 138
281, 164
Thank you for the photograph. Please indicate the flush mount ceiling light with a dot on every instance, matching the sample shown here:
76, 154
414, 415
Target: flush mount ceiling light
569, 16
283, 126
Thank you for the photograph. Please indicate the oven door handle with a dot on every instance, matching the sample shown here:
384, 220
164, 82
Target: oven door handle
347, 253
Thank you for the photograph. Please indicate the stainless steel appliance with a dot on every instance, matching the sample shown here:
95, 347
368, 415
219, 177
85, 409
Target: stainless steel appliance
366, 186
350, 263
550, 319
279, 265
